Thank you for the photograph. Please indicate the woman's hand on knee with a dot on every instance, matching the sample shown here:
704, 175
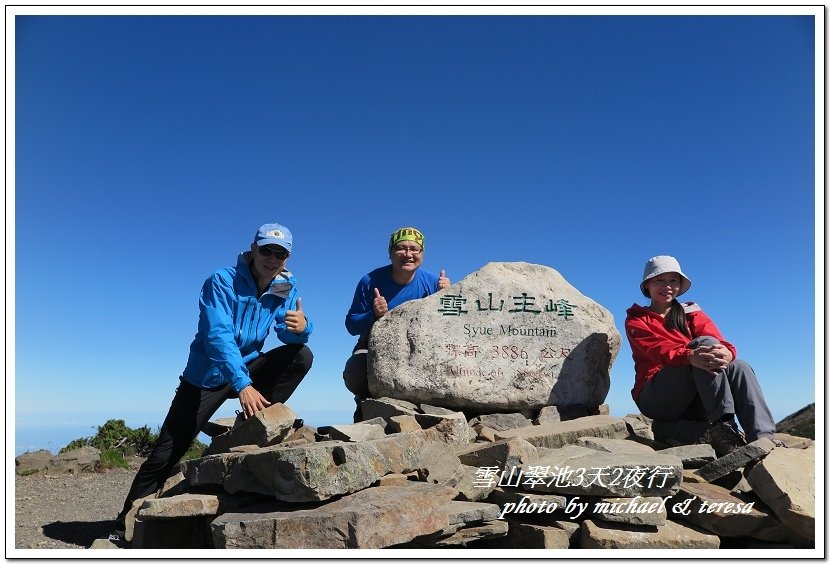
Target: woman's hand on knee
722, 354
708, 359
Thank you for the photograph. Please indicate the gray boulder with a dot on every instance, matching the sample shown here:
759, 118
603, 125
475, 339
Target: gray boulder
75, 461
32, 462
509, 337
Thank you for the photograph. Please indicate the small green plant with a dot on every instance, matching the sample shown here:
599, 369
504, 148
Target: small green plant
112, 458
28, 472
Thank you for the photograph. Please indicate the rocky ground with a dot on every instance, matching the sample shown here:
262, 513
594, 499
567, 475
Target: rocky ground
68, 511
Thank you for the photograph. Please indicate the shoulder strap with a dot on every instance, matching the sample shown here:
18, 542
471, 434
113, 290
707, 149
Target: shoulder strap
689, 308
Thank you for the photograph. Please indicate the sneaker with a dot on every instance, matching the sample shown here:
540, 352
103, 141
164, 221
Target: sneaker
725, 437
777, 443
117, 539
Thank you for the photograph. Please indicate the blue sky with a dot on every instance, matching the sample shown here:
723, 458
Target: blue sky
149, 149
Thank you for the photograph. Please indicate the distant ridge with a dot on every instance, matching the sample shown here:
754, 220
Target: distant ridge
802, 423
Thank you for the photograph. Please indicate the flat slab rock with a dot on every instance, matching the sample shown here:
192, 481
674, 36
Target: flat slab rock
376, 517
595, 534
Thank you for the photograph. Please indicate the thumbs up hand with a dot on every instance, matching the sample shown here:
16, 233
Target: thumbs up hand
295, 320
443, 281
379, 305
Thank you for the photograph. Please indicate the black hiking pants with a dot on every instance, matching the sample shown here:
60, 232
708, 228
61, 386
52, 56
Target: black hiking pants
275, 374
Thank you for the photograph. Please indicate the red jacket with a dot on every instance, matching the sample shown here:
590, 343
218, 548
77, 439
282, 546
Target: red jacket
654, 346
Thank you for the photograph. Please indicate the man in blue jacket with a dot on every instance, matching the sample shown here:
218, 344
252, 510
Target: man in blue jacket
237, 307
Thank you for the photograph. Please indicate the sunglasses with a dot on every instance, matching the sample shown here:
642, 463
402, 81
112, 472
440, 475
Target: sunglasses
266, 252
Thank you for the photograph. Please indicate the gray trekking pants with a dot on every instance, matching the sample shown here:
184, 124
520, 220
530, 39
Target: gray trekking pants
686, 392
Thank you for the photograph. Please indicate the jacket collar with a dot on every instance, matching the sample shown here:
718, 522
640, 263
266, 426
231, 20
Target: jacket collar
281, 284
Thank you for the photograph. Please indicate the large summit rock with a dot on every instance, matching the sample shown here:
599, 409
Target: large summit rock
509, 337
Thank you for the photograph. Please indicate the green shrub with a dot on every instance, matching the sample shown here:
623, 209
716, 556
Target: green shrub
116, 441
77, 443
112, 458
116, 435
143, 440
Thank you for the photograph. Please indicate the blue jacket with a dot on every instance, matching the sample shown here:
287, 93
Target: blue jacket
234, 322
361, 315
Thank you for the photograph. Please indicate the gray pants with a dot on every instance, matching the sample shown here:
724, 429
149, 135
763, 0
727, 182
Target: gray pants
686, 392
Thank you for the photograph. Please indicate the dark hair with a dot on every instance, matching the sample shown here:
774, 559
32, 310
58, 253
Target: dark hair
676, 318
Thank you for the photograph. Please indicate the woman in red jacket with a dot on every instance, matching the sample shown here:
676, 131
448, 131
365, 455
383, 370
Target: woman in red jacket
684, 367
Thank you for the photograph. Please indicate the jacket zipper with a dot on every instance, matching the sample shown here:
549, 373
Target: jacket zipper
242, 323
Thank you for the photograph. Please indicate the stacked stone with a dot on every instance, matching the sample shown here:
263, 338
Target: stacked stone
366, 485
421, 476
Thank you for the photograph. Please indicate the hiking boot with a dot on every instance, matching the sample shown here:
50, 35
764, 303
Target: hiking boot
725, 437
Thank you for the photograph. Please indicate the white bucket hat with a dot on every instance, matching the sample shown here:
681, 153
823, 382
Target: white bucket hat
659, 265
